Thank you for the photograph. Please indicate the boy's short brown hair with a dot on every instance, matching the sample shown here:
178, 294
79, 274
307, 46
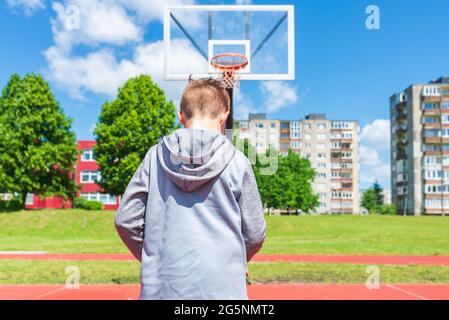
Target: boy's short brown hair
205, 97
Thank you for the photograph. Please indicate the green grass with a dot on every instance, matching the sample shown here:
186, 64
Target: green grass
78, 231
358, 235
127, 272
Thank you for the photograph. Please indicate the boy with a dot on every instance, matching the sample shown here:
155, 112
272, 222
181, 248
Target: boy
192, 213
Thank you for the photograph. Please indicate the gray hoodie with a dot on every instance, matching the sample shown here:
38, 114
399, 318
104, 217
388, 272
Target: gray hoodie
192, 215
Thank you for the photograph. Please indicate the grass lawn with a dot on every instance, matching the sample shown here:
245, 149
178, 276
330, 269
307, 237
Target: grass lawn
127, 272
78, 231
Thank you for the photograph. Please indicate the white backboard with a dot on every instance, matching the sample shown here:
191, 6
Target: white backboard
264, 34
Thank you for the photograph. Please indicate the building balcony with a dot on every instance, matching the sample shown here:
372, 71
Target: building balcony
436, 153
400, 128
436, 140
431, 98
342, 189
431, 112
436, 211
436, 125
400, 117
342, 180
436, 196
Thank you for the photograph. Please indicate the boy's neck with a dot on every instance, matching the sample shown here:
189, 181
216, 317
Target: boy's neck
204, 124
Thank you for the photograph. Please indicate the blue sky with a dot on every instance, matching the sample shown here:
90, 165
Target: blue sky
342, 68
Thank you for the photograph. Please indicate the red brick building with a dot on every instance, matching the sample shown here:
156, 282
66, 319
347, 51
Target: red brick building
86, 175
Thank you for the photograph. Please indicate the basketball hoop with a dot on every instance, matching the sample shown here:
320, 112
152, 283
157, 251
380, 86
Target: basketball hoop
229, 64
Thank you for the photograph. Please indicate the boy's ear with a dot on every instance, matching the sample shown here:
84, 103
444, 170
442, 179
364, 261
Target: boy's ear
224, 117
181, 118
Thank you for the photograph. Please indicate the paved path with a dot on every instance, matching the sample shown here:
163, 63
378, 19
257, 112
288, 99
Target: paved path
395, 260
256, 292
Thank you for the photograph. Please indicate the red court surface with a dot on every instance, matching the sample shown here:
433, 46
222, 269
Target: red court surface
396, 260
256, 292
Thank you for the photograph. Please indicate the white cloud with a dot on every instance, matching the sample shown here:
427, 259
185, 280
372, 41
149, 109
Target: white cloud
154, 10
377, 134
374, 150
101, 72
29, 7
103, 29
278, 95
93, 22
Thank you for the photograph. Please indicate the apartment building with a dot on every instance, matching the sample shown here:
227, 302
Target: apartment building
331, 146
420, 148
86, 175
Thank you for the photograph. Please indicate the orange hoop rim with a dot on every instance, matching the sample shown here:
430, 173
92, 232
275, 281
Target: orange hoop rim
231, 68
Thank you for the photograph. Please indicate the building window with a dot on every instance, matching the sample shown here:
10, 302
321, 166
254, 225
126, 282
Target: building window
445, 118
341, 125
430, 120
321, 136
259, 125
321, 126
429, 106
308, 136
244, 124
90, 176
272, 125
29, 200
295, 135
294, 125
321, 156
295, 145
87, 155
100, 197
321, 146
322, 165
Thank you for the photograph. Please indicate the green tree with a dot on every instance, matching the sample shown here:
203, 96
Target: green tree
373, 198
294, 187
387, 209
37, 147
379, 193
290, 187
127, 128
369, 200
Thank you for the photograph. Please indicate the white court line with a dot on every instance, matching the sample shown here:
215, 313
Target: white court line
23, 252
406, 292
49, 293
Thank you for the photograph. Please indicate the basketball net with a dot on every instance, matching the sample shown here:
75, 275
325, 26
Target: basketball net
229, 64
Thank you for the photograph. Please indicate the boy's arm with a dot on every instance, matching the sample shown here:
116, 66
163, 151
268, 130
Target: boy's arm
129, 220
253, 222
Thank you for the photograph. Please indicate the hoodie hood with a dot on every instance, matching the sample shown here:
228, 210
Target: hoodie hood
192, 157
